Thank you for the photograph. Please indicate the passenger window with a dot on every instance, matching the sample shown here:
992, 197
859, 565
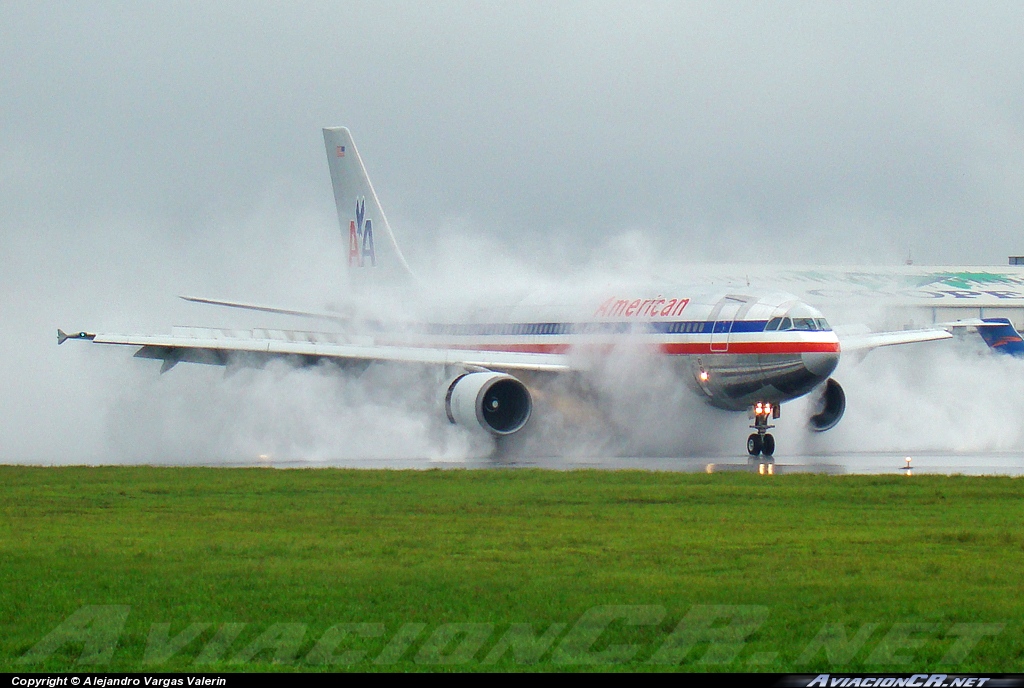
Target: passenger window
773, 325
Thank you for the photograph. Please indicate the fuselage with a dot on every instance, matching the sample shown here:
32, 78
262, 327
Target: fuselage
733, 349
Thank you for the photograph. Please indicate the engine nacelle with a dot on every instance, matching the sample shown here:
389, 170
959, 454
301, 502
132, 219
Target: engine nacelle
498, 403
830, 405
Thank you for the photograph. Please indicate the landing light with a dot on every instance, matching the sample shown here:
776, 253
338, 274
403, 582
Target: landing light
703, 376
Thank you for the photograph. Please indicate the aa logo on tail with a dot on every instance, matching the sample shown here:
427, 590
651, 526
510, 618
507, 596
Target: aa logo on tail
360, 238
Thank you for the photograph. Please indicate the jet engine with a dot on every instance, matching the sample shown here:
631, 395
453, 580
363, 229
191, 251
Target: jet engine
830, 405
498, 403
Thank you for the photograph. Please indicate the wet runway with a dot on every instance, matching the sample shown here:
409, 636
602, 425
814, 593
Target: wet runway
873, 463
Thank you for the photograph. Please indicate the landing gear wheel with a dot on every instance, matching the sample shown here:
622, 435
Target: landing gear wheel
754, 444
767, 445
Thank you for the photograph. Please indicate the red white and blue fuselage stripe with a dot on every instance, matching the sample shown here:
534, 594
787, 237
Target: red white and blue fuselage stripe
677, 337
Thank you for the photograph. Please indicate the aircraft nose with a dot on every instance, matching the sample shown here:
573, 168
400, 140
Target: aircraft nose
820, 364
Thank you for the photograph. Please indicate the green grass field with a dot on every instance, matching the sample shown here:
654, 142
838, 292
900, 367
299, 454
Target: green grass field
173, 569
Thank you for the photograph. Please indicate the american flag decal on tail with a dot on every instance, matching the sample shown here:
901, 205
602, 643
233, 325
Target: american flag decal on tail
340, 151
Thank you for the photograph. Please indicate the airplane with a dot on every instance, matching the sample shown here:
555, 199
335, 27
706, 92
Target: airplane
735, 347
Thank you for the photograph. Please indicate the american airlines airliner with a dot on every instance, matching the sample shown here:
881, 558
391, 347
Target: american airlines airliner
742, 350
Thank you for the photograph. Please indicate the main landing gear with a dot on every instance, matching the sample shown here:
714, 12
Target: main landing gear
761, 444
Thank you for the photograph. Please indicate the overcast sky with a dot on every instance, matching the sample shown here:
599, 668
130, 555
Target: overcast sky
721, 129
151, 149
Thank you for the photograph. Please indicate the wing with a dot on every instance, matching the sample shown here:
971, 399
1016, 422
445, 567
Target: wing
873, 340
218, 347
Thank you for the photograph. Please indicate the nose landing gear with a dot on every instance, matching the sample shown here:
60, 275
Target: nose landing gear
761, 443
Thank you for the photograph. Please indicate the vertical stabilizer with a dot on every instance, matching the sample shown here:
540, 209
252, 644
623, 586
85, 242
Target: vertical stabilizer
372, 251
1001, 336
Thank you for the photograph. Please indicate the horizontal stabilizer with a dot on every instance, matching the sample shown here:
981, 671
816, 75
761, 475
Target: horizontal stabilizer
337, 317
965, 323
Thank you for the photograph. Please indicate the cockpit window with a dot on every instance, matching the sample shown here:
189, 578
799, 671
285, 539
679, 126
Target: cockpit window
787, 323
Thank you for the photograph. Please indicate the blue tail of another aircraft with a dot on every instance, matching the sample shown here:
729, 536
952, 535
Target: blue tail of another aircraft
1001, 336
